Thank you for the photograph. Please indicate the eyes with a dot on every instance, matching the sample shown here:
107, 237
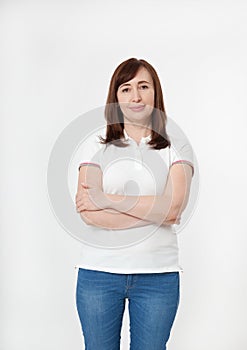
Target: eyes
128, 89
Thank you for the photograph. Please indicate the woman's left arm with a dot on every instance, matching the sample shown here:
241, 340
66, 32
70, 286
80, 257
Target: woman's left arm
156, 209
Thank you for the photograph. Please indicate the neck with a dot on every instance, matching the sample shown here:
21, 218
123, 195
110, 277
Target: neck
137, 131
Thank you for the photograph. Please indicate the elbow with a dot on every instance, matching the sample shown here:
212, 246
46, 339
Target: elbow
178, 207
174, 214
85, 219
90, 219
172, 221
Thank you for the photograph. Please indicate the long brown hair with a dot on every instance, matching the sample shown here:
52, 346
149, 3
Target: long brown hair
114, 116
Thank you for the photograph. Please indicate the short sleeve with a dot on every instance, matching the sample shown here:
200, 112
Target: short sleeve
181, 152
89, 151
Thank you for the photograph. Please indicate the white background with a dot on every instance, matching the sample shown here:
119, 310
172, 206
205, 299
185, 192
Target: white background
56, 62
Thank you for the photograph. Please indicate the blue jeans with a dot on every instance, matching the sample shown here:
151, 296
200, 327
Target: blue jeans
153, 302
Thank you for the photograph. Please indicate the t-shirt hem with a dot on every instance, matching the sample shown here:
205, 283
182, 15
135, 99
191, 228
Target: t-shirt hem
132, 270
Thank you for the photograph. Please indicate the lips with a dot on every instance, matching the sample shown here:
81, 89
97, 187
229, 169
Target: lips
137, 108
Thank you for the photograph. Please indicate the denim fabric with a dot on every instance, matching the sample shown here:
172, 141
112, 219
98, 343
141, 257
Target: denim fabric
153, 302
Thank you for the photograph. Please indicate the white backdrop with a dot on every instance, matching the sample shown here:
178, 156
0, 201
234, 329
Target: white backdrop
57, 58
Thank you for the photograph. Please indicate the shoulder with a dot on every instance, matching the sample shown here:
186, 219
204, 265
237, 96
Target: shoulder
88, 151
181, 152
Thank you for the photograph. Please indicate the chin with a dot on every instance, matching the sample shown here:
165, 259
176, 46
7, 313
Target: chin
137, 119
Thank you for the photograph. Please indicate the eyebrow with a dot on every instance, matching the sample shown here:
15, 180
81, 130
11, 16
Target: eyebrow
139, 82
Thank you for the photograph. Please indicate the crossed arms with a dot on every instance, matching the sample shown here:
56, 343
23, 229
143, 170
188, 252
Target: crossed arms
121, 212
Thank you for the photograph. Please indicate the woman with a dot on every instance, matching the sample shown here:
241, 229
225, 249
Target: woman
134, 145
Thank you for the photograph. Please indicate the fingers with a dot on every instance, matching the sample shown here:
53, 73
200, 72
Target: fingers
81, 203
80, 196
79, 200
83, 199
80, 208
84, 187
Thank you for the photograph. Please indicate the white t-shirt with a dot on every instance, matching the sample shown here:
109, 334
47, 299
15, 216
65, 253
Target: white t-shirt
134, 170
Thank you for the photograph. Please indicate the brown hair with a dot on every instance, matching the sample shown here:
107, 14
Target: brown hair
114, 116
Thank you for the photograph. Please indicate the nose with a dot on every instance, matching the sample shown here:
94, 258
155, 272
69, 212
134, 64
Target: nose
136, 97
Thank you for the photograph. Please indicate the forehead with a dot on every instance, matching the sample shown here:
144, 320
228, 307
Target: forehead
141, 75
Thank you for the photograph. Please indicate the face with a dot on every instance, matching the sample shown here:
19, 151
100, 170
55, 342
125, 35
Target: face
136, 98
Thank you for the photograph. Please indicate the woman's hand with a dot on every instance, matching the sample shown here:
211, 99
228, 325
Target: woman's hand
90, 198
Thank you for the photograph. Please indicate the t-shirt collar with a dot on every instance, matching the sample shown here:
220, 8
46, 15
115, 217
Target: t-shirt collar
143, 139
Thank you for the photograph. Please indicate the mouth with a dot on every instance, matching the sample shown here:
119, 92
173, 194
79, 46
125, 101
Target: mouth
137, 108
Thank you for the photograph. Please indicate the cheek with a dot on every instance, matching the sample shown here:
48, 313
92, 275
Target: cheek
122, 98
123, 107
122, 103
150, 98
